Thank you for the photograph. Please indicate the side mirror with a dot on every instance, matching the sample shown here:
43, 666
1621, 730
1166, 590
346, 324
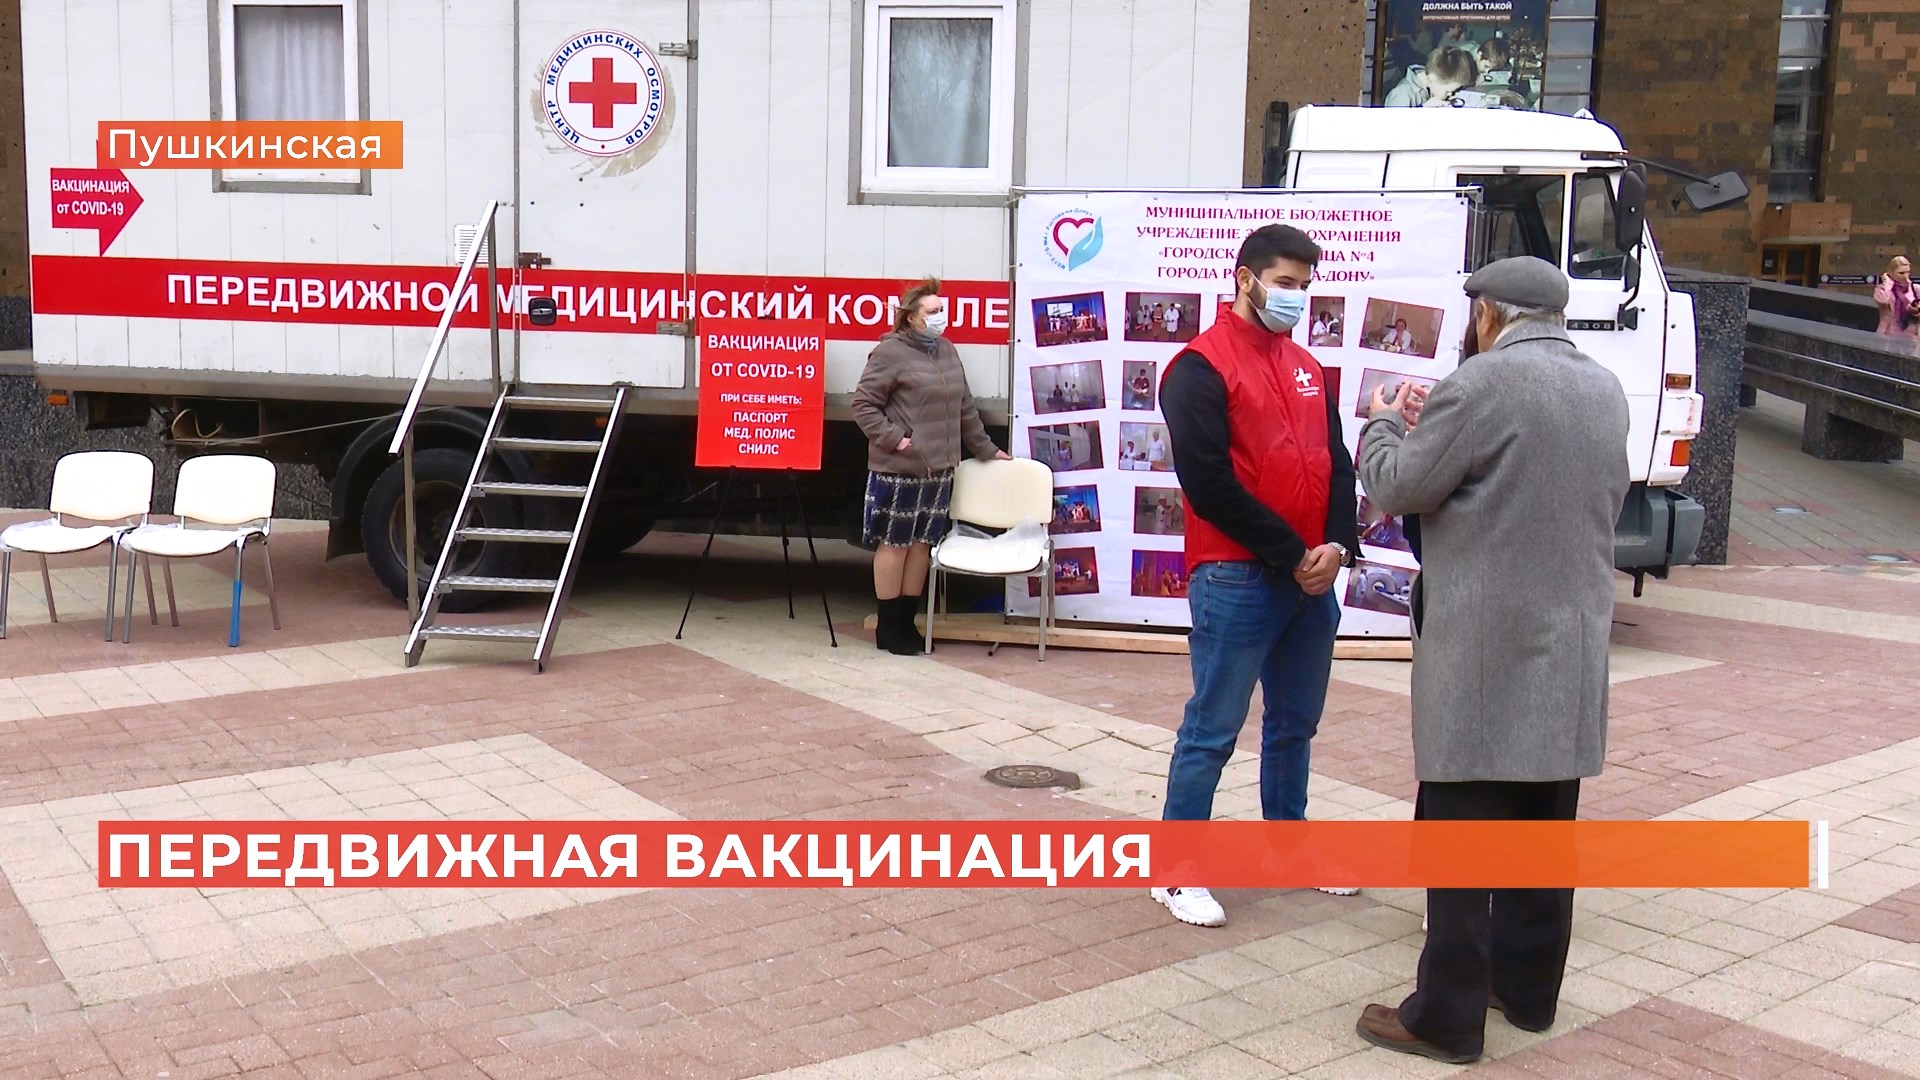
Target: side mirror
1630, 210
1633, 273
542, 311
1273, 144
1727, 189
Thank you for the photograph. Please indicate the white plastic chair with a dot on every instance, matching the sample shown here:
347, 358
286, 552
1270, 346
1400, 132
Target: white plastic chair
998, 495
112, 491
223, 501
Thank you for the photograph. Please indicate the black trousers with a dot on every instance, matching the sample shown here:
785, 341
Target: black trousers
1510, 943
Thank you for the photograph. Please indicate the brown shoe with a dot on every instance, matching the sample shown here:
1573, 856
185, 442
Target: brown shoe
1381, 1026
1501, 1007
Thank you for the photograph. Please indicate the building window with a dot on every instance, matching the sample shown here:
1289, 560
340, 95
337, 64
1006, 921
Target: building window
1797, 101
1573, 35
937, 108
289, 60
1791, 264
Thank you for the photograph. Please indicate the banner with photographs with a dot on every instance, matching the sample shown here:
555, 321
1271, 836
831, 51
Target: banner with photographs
1110, 286
1483, 54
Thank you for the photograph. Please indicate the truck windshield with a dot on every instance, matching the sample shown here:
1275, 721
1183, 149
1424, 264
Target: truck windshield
1519, 215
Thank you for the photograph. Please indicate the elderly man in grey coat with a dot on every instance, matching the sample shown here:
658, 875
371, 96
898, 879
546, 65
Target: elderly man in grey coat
1517, 468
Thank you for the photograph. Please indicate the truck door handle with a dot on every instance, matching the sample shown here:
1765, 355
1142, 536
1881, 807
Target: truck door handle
533, 260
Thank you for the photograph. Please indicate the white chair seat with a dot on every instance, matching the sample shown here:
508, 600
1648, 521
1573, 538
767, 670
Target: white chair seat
1005, 555
174, 542
49, 538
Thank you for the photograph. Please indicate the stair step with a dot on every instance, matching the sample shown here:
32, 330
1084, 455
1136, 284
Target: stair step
484, 633
561, 404
518, 536
557, 446
468, 583
557, 491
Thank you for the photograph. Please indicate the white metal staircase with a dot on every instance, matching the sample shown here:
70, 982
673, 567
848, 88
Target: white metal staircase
556, 589
499, 437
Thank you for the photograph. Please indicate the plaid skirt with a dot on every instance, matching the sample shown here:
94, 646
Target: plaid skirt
907, 510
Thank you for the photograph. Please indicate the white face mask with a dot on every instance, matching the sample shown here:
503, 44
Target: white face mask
937, 323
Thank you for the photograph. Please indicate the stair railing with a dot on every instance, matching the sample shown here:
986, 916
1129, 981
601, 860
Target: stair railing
402, 443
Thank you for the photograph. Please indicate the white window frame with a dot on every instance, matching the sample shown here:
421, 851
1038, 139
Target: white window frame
230, 99
876, 176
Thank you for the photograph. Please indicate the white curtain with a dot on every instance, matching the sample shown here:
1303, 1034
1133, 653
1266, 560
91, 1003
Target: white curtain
939, 93
289, 62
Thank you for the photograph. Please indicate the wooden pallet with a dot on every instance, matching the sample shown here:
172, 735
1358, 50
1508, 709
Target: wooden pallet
993, 630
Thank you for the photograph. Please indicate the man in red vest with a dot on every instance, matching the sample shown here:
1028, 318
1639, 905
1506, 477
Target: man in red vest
1271, 519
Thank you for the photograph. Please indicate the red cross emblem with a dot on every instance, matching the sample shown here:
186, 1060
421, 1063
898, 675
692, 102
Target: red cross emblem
603, 92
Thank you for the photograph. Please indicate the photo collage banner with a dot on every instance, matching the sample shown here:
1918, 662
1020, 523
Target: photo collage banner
1110, 286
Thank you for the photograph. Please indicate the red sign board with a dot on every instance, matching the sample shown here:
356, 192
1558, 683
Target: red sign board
763, 394
101, 199
589, 301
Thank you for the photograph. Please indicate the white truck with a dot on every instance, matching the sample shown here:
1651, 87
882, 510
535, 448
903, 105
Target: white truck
1562, 188
660, 162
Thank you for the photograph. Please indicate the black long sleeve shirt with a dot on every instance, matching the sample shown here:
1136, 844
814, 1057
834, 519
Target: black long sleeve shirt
1194, 401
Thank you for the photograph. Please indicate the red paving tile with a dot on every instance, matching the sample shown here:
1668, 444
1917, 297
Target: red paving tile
1664, 1039
1781, 701
1896, 917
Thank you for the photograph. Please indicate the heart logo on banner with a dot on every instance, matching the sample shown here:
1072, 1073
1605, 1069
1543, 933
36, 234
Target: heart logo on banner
1077, 236
1066, 223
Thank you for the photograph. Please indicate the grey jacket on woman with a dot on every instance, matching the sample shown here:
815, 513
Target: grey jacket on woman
910, 391
1518, 470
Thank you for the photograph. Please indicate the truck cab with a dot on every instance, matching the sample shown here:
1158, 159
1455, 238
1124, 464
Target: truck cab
1561, 188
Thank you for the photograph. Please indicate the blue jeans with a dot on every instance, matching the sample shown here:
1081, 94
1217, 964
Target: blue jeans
1249, 627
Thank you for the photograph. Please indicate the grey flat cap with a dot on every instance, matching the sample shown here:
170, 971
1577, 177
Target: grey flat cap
1525, 280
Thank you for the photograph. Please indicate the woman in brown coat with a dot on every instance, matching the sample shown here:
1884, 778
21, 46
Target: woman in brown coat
914, 407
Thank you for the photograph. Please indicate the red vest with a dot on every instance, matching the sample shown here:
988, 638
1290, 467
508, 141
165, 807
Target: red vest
1277, 419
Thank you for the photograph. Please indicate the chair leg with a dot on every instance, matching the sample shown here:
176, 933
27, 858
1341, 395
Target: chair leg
233, 625
6, 584
113, 581
46, 582
273, 597
126, 629
166, 571
153, 613
1046, 603
933, 590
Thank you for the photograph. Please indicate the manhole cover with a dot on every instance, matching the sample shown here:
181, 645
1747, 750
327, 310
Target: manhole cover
1789, 508
1887, 558
1033, 776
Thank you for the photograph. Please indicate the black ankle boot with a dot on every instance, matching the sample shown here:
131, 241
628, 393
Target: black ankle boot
883, 635
906, 640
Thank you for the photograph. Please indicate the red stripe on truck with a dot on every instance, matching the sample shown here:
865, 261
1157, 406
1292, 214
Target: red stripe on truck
589, 301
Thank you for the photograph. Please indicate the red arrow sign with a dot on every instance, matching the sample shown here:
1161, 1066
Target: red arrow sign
101, 199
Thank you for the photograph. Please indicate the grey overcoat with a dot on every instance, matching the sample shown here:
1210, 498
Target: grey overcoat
1518, 470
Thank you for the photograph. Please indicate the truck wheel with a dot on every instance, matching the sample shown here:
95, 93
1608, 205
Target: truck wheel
439, 476
612, 535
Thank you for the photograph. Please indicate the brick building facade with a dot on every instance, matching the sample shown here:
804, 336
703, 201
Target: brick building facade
1707, 88
1873, 163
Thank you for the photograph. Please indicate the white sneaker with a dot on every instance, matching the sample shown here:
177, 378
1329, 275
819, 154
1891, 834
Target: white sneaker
1338, 890
1191, 905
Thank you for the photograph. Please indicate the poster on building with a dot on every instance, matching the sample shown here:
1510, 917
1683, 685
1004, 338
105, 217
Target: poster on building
763, 394
1110, 286
1486, 54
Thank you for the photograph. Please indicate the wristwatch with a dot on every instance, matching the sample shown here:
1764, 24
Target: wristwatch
1346, 557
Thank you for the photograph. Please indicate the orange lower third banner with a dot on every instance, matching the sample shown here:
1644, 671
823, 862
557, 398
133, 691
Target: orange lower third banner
954, 854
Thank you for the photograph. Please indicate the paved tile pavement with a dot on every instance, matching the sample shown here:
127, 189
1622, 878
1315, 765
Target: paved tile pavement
1778, 688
